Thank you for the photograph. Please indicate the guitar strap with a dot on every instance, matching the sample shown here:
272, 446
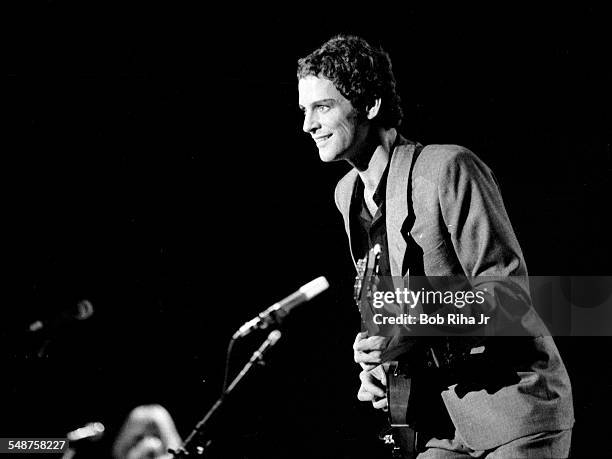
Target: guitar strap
405, 255
399, 210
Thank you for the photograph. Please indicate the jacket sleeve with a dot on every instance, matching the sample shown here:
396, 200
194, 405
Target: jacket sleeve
483, 240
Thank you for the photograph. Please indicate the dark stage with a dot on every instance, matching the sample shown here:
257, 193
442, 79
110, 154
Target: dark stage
156, 166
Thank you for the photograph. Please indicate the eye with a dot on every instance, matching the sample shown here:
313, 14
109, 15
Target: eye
322, 108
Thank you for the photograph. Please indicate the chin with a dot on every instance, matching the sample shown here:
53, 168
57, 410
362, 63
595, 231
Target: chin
328, 156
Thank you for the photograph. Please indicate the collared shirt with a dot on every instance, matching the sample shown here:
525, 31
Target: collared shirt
371, 230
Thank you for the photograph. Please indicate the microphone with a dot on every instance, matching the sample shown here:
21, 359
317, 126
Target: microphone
278, 311
80, 437
91, 431
82, 311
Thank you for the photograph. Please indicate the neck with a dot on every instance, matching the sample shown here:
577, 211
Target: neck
375, 157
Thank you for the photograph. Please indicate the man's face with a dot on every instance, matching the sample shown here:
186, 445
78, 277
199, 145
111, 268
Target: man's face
330, 119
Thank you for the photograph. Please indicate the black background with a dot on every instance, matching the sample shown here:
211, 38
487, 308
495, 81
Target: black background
155, 165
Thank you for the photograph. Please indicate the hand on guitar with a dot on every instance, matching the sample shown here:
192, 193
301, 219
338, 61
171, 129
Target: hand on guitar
372, 388
367, 353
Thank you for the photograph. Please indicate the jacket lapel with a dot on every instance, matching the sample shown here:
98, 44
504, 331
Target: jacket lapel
343, 196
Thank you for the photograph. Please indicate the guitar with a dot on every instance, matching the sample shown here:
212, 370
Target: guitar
426, 357
402, 440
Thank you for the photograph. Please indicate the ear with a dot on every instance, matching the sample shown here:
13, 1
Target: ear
374, 109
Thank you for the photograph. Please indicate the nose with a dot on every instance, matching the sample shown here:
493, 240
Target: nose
311, 124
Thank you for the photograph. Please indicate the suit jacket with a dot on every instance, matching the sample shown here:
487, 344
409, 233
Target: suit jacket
445, 200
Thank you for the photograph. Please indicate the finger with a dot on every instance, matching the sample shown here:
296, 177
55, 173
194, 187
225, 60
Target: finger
373, 357
371, 384
378, 372
360, 337
364, 396
368, 366
381, 404
373, 343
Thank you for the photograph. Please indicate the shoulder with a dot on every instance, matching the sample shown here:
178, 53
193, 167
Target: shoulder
437, 161
446, 154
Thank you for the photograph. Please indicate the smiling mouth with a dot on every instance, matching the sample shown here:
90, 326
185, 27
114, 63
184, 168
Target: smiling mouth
322, 139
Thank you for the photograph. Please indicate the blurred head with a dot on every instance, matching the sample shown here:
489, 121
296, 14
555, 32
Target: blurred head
345, 88
147, 433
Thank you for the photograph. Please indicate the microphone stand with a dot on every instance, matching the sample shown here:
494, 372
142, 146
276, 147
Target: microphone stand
256, 358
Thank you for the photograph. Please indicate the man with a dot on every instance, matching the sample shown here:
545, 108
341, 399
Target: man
436, 211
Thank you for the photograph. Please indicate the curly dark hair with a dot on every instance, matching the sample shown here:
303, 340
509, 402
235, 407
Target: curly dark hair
360, 72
